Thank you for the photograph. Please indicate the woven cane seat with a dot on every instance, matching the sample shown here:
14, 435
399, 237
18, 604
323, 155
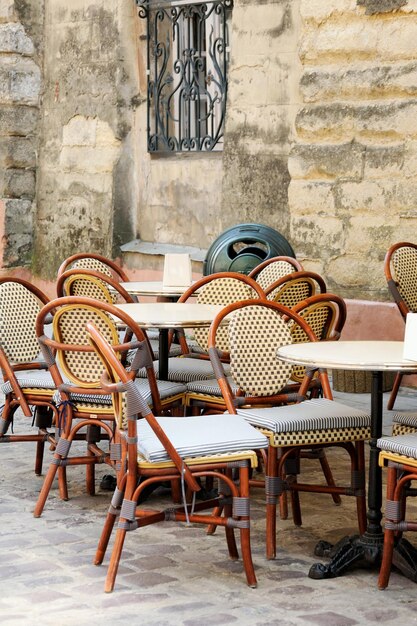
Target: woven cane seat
205, 435
311, 422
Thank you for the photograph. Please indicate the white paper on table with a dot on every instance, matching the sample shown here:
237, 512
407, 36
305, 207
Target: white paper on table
177, 270
410, 337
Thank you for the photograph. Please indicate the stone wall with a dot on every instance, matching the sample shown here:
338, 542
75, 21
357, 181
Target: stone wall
354, 162
20, 86
263, 101
86, 194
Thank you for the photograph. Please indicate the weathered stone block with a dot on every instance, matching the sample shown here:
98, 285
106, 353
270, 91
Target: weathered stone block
367, 234
17, 152
20, 80
335, 40
327, 161
384, 161
391, 121
318, 11
381, 6
15, 183
263, 31
14, 39
307, 234
368, 196
18, 227
6, 10
80, 131
18, 120
399, 80
264, 130
311, 198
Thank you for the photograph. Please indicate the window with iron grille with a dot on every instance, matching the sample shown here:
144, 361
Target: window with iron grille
187, 56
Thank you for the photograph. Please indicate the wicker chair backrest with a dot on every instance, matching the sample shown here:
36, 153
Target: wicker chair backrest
19, 308
89, 287
221, 291
255, 334
81, 368
294, 291
273, 272
89, 263
404, 272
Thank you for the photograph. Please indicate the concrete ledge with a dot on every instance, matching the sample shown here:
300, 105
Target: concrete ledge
146, 257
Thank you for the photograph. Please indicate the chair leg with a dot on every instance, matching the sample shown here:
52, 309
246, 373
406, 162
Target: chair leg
104, 538
230, 535
46, 488
115, 560
245, 532
394, 391
271, 503
388, 549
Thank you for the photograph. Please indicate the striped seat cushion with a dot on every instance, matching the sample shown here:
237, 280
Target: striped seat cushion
410, 419
311, 415
199, 436
30, 379
210, 387
166, 390
405, 445
186, 369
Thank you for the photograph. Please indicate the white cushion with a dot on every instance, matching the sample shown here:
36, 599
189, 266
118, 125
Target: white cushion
187, 369
409, 419
405, 445
316, 414
210, 386
199, 436
35, 379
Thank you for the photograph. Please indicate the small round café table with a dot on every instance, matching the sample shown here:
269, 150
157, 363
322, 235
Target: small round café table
377, 357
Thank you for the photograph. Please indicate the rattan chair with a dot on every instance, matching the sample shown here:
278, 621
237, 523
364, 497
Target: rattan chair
220, 288
97, 262
92, 284
75, 369
399, 455
188, 449
400, 268
26, 382
271, 270
294, 288
256, 330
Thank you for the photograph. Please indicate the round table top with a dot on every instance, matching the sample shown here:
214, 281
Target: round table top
349, 355
153, 288
171, 314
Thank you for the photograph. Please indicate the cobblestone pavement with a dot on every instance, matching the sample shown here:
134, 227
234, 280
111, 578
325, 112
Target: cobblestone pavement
173, 574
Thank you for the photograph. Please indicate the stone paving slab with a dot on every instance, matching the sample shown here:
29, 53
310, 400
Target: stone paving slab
172, 574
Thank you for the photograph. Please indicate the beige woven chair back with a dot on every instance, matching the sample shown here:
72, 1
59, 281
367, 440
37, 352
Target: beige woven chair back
273, 272
321, 318
89, 263
294, 291
221, 291
404, 272
81, 368
255, 334
89, 287
19, 308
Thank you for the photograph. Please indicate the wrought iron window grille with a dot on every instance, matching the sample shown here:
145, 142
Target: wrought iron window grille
187, 59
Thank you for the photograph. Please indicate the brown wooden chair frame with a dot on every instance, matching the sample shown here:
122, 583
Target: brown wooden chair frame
277, 457
102, 422
124, 504
25, 399
117, 271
